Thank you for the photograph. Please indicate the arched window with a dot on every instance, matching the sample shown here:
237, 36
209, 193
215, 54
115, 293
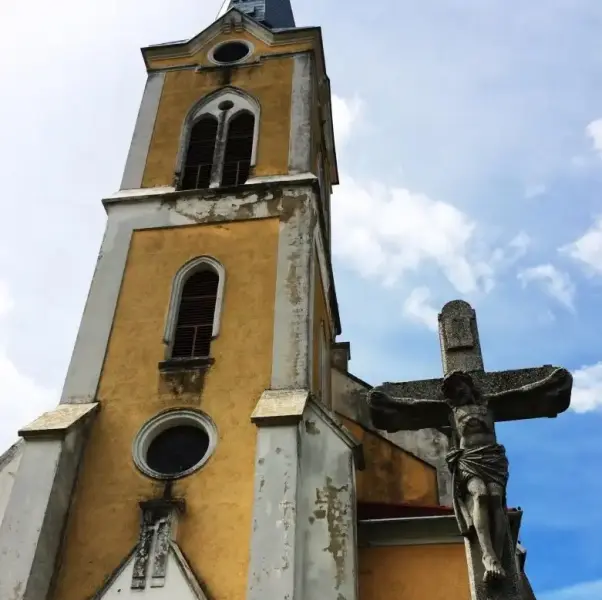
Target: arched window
194, 327
199, 156
239, 147
218, 145
194, 313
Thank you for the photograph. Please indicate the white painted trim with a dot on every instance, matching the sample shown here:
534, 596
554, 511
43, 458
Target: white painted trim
201, 263
170, 192
312, 311
290, 355
299, 152
274, 539
249, 45
166, 420
306, 177
140, 192
143, 132
30, 533
324, 274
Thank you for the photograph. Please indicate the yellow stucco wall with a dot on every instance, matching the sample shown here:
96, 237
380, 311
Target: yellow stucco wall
392, 476
428, 572
214, 533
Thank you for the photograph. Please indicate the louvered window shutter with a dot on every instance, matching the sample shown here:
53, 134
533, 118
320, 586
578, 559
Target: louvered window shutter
194, 328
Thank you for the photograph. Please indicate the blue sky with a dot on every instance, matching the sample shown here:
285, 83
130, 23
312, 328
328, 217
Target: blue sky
470, 147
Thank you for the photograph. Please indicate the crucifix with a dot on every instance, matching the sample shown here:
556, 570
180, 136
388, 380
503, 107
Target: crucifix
465, 404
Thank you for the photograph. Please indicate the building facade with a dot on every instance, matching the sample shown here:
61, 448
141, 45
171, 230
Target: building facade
210, 442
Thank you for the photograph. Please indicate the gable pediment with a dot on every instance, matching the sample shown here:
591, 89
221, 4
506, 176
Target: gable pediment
233, 22
178, 580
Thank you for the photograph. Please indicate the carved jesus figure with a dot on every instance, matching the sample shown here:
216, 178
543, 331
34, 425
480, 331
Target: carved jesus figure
478, 463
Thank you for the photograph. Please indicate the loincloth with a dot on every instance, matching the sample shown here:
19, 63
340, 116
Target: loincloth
487, 463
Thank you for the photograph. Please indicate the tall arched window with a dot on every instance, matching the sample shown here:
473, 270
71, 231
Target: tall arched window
239, 147
194, 327
194, 313
218, 144
199, 156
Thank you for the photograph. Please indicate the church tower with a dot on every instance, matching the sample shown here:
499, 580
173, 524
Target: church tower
210, 443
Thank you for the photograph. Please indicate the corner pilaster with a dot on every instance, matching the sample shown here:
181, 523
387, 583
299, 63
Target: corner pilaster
32, 528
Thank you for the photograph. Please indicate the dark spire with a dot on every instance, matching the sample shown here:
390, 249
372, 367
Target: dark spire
276, 14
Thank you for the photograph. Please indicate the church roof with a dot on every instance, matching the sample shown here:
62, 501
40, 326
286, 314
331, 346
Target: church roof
275, 14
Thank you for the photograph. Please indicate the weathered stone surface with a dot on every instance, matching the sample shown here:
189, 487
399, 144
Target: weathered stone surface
278, 407
61, 419
550, 400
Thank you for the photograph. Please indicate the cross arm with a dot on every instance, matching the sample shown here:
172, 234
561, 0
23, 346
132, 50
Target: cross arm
402, 406
526, 393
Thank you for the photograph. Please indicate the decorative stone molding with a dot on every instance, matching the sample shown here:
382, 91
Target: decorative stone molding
164, 421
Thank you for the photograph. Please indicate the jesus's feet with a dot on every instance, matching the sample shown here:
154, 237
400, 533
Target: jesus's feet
493, 569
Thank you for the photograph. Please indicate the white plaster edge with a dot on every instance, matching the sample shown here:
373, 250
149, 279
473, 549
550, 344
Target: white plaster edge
306, 176
134, 193
151, 193
143, 132
312, 303
291, 310
300, 128
324, 275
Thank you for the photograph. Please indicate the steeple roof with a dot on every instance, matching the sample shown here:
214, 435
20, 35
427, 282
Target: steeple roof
275, 14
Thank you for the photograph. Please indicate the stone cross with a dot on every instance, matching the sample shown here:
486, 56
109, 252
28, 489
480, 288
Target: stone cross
497, 396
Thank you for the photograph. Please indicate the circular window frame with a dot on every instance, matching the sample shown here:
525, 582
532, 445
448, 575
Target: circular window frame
166, 420
211, 53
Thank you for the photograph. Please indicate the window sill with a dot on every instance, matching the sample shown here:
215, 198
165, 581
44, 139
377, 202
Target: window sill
185, 364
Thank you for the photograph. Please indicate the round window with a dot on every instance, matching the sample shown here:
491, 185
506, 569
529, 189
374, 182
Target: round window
231, 52
174, 444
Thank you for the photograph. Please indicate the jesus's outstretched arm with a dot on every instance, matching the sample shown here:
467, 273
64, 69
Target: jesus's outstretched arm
392, 414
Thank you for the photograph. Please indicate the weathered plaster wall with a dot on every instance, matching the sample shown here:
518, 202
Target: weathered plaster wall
392, 476
9, 463
214, 532
327, 521
436, 572
270, 82
428, 445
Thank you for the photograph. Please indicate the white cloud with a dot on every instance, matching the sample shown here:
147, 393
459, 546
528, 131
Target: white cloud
533, 191
345, 115
21, 398
587, 388
386, 232
519, 244
419, 308
594, 132
588, 248
556, 283
591, 590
